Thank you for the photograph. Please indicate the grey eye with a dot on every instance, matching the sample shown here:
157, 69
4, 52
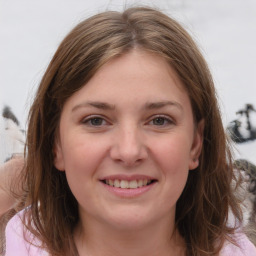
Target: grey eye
96, 121
160, 121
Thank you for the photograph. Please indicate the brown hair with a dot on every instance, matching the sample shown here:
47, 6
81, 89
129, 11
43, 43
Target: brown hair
202, 209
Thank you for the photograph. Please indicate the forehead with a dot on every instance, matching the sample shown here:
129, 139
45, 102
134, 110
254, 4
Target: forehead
139, 62
133, 78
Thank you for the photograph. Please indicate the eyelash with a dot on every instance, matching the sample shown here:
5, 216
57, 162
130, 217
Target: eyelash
88, 121
166, 121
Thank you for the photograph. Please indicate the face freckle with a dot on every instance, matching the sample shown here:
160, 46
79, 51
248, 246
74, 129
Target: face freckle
127, 142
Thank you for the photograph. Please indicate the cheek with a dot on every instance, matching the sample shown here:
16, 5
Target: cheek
173, 160
172, 153
173, 157
81, 163
80, 154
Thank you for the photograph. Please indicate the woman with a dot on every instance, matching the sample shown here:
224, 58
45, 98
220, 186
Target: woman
127, 154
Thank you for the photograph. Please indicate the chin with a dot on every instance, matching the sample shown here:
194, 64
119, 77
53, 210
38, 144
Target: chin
131, 218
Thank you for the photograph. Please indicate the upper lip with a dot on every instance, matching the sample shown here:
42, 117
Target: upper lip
127, 177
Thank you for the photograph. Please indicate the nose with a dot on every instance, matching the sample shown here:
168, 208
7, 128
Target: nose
128, 146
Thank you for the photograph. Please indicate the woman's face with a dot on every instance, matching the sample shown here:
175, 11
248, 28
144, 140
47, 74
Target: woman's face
127, 142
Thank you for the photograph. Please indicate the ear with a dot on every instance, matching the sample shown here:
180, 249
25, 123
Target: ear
197, 145
58, 156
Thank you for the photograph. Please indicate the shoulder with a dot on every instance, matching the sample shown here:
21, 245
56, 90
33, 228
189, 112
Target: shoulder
19, 241
244, 248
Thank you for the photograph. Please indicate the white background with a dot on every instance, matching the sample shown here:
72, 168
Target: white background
30, 31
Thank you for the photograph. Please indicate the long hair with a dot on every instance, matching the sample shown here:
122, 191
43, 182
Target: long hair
202, 209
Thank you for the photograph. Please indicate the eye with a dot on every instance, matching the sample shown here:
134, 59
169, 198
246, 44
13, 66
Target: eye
161, 121
94, 121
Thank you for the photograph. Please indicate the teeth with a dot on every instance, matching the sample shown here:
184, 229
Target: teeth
128, 184
140, 183
133, 184
116, 183
124, 184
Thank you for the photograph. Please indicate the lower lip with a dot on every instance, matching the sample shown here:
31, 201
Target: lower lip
129, 192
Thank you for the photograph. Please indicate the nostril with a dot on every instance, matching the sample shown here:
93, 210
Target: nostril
128, 147
128, 157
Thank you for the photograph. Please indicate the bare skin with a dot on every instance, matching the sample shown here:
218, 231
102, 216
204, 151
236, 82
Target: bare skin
166, 241
9, 171
143, 129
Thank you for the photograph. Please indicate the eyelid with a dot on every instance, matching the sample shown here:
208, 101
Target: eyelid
167, 118
88, 118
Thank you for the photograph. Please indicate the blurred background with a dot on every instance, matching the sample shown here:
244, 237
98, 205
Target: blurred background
30, 32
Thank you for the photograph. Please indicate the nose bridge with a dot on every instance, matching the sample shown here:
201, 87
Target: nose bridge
128, 146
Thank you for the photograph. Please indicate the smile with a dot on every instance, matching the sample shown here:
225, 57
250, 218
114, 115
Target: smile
125, 184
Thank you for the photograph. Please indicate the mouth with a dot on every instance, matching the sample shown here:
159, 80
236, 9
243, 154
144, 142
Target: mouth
128, 184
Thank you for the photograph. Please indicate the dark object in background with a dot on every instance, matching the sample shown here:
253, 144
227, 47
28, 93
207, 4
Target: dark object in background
7, 113
234, 127
248, 192
250, 171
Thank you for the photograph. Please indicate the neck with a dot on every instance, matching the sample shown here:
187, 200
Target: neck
154, 240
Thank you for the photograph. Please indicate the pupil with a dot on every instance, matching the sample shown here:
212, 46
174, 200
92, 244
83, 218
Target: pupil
96, 121
159, 121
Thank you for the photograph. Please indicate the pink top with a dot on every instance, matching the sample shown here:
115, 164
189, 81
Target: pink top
16, 245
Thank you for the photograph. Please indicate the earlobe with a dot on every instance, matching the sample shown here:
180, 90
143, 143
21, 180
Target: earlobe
58, 157
197, 146
194, 163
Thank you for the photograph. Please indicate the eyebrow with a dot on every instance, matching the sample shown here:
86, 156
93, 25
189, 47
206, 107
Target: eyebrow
107, 106
161, 104
95, 104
